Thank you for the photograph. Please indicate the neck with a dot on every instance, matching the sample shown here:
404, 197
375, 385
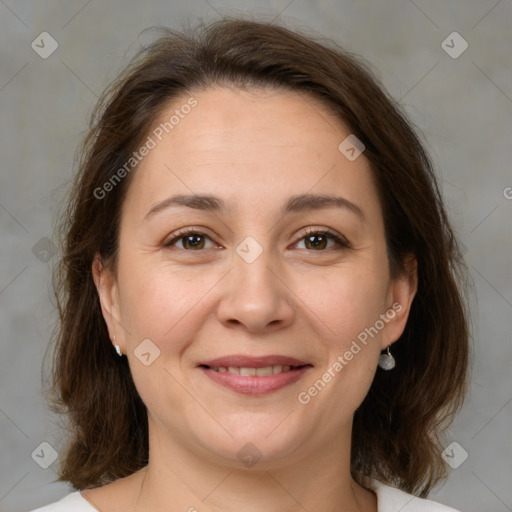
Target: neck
319, 480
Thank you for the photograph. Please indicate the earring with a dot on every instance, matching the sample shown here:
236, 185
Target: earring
118, 348
387, 361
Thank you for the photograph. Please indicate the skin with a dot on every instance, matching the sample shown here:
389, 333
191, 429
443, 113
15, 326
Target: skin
254, 149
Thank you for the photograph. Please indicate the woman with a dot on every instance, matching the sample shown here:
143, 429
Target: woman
261, 296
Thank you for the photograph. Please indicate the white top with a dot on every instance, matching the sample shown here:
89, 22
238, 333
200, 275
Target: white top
389, 499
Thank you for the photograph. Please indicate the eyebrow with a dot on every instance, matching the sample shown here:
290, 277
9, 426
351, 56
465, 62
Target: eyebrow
295, 204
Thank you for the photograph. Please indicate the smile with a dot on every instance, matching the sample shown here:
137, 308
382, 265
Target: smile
248, 372
255, 375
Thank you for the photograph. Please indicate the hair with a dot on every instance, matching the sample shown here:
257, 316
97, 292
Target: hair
397, 430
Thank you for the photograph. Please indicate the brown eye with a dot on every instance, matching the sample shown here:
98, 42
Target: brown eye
319, 240
190, 240
193, 241
316, 241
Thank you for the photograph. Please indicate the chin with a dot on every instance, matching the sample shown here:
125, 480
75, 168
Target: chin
256, 441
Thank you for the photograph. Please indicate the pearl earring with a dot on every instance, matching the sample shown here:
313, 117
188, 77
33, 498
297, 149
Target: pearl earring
118, 348
387, 361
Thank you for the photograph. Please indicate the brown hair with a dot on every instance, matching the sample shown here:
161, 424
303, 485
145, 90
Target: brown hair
397, 428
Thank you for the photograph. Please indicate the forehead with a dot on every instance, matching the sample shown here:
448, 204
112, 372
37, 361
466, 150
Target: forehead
249, 147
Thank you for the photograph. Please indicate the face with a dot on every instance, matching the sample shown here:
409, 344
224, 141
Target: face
264, 306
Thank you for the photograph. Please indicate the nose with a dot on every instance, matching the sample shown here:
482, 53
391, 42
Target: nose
256, 296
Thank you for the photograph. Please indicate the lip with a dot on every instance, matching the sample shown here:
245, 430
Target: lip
255, 385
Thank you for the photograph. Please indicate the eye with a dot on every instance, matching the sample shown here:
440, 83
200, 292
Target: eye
318, 239
191, 239
315, 239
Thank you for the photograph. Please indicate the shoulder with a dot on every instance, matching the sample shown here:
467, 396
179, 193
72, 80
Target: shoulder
73, 502
391, 499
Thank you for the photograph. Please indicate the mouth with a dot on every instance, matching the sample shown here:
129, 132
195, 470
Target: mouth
251, 372
255, 375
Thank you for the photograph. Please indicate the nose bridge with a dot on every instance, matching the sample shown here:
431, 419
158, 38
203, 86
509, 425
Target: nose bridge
252, 266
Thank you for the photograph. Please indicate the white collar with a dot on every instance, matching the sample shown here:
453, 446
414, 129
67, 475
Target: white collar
391, 499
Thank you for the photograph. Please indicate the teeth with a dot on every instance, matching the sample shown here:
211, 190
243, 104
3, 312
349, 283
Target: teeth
266, 370
248, 372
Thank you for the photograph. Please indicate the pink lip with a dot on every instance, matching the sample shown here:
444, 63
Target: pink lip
255, 385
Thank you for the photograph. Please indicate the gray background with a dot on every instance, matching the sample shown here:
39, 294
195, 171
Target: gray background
462, 105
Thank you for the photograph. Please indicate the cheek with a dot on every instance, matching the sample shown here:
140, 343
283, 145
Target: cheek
160, 305
158, 302
344, 304
347, 308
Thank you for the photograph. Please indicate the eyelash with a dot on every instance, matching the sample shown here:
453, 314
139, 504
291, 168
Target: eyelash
341, 241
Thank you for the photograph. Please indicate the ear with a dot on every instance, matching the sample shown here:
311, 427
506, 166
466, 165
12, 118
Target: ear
106, 286
401, 294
